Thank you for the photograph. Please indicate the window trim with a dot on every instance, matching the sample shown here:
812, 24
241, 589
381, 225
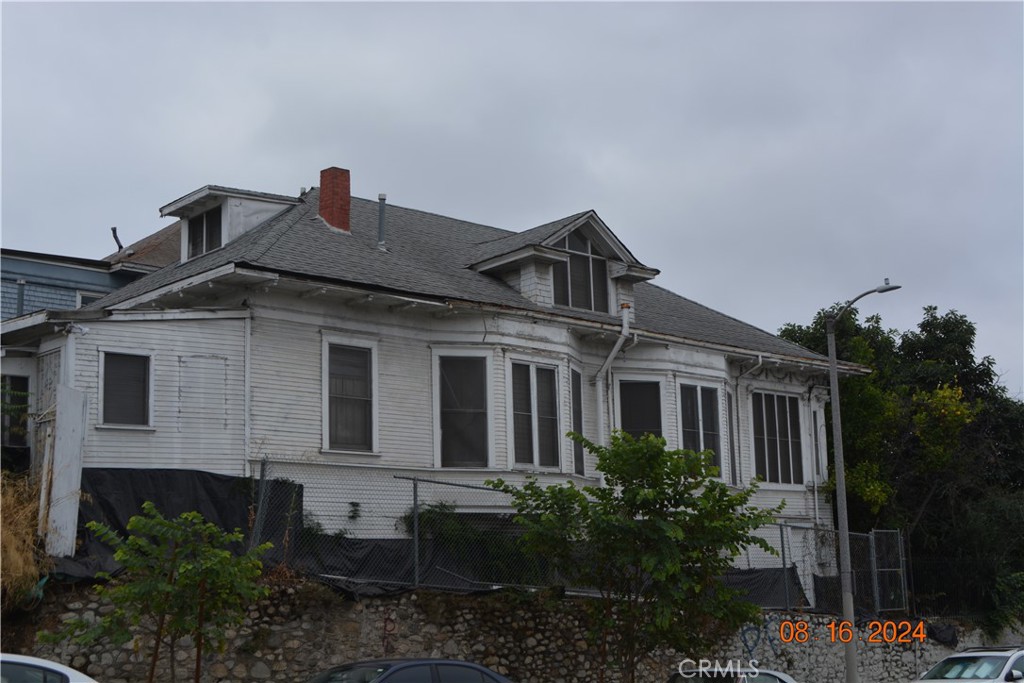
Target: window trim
719, 393
327, 340
82, 292
436, 353
533, 364
801, 411
150, 389
659, 379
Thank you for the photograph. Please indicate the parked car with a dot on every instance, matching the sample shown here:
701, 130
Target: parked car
24, 669
409, 671
980, 665
730, 675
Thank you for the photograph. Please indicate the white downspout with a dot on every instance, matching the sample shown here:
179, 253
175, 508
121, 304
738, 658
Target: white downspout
603, 375
735, 478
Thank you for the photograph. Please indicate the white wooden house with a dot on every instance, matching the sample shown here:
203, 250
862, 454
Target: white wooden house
348, 341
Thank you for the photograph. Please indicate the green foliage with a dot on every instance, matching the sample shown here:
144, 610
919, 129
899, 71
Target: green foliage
181, 578
654, 541
487, 551
1008, 599
934, 446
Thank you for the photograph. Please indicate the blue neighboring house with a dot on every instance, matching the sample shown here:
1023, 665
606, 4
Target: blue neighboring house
34, 281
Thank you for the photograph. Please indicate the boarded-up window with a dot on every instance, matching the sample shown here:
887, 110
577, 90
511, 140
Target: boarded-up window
778, 455
640, 408
125, 389
202, 393
463, 389
350, 390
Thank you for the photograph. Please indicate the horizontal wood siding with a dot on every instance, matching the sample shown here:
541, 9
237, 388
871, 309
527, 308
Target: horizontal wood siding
287, 404
197, 388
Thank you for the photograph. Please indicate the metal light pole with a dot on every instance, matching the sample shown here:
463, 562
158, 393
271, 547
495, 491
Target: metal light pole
845, 568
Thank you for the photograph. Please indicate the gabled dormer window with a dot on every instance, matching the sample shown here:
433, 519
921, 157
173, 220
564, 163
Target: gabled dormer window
582, 281
204, 232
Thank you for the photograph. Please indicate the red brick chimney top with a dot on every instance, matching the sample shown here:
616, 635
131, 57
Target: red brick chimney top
335, 197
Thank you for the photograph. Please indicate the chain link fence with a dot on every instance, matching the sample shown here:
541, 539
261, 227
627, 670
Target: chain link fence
370, 532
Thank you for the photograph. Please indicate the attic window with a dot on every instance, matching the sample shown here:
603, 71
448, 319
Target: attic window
582, 281
204, 232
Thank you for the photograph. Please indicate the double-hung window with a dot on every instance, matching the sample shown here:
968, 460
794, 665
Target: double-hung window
778, 454
463, 406
698, 406
350, 398
582, 280
126, 391
535, 415
640, 407
204, 232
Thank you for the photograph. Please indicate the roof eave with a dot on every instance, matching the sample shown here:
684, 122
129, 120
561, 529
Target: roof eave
179, 208
532, 252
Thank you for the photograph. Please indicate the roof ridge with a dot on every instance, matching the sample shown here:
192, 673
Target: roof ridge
432, 213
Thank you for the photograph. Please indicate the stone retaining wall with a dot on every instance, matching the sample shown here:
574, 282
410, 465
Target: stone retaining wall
304, 628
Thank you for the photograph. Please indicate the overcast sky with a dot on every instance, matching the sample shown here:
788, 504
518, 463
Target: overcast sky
770, 159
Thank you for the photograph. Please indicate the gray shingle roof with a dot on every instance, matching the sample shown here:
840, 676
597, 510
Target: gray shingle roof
428, 255
509, 242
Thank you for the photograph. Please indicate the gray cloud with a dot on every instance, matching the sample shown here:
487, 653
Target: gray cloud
769, 158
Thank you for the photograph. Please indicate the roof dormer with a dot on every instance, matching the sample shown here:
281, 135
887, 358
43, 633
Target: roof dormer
213, 215
576, 262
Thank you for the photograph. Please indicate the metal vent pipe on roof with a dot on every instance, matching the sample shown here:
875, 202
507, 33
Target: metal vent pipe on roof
382, 200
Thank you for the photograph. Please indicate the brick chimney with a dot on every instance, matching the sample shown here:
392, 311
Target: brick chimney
335, 197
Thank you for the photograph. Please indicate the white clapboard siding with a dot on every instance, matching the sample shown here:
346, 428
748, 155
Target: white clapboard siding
287, 397
285, 386
197, 388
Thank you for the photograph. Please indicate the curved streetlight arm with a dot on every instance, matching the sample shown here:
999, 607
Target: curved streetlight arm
877, 290
842, 514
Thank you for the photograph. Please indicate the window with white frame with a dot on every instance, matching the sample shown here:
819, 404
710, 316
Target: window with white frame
698, 407
535, 415
579, 466
350, 398
125, 389
465, 438
204, 232
640, 407
86, 298
778, 453
582, 281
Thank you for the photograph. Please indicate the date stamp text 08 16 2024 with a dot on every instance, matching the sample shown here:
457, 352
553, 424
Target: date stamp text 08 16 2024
800, 631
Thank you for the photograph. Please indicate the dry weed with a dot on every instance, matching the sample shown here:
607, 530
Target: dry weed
22, 561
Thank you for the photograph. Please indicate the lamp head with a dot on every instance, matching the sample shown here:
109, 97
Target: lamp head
886, 287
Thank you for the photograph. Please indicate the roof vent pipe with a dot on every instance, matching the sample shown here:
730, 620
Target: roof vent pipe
382, 201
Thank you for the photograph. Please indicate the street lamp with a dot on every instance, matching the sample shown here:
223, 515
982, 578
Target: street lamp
845, 569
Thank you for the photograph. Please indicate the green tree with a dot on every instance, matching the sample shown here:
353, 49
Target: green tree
654, 541
181, 578
934, 446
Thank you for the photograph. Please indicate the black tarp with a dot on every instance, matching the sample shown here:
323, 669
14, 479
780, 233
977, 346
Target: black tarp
112, 496
271, 510
774, 587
